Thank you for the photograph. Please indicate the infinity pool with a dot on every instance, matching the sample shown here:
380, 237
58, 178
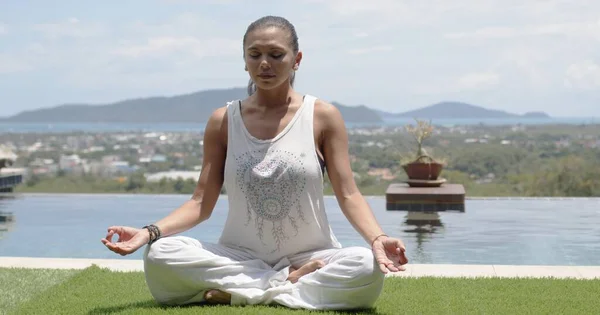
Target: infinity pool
490, 231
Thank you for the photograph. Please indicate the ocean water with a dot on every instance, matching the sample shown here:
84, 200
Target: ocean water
490, 231
199, 127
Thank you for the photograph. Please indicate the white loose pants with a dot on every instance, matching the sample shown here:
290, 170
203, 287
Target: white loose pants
179, 270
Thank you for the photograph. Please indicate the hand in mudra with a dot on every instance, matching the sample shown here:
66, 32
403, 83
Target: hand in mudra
390, 254
130, 239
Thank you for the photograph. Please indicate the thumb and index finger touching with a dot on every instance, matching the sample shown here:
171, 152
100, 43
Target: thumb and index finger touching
111, 232
119, 245
402, 252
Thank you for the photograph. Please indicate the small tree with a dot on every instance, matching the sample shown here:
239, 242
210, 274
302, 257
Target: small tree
420, 165
422, 131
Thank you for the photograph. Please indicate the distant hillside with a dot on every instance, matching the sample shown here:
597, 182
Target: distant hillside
456, 110
358, 114
194, 107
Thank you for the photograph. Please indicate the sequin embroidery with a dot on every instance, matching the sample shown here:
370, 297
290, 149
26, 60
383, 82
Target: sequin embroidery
272, 182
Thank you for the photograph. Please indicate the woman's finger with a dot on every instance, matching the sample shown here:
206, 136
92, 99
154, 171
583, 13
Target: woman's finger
392, 267
115, 228
400, 245
111, 246
120, 248
109, 235
403, 259
383, 268
104, 241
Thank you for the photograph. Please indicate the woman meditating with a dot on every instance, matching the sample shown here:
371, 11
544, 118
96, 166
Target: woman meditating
270, 150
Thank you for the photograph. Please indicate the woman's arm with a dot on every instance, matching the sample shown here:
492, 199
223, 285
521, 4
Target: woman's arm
200, 206
193, 211
389, 252
337, 161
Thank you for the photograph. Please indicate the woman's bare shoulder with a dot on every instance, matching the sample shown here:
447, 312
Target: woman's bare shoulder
216, 126
327, 114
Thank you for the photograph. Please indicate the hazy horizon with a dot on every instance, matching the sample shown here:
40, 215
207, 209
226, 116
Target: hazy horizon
333, 100
394, 56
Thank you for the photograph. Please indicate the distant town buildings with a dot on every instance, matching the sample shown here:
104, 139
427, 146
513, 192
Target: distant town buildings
160, 155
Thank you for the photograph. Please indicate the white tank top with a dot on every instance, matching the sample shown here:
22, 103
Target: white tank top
275, 189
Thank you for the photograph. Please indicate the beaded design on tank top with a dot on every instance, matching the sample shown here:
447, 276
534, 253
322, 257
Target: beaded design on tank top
268, 199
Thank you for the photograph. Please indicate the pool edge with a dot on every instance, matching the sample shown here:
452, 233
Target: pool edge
412, 270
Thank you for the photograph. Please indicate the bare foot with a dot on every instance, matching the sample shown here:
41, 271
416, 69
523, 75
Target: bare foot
217, 297
309, 267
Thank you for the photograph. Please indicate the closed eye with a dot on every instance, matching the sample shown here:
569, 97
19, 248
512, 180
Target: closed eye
274, 54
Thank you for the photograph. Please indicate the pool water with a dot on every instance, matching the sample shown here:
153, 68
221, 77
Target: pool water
490, 231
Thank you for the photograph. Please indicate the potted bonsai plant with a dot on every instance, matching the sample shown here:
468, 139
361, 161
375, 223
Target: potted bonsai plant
421, 166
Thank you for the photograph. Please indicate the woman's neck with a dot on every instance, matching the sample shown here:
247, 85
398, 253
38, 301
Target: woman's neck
277, 97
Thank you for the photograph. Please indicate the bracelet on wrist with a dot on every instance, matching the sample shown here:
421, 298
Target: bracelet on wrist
154, 232
377, 237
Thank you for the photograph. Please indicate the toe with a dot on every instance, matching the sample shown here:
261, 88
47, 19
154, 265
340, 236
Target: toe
319, 264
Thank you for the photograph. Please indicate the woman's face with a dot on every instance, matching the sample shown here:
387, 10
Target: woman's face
269, 57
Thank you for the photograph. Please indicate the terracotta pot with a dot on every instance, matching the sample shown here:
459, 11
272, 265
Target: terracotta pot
423, 170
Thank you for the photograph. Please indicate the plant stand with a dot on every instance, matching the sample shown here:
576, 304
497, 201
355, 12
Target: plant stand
447, 197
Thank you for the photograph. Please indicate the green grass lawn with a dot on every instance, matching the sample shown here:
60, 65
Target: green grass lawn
99, 291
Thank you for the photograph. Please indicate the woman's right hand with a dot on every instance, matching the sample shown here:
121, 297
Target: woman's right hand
130, 239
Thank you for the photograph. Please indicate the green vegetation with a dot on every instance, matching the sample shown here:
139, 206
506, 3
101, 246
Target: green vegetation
20, 285
135, 183
543, 160
99, 291
516, 173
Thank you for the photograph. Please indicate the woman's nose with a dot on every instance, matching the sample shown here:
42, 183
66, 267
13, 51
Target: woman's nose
264, 64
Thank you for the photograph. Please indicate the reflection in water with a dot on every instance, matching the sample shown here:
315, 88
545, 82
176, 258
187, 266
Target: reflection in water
423, 225
7, 219
6, 223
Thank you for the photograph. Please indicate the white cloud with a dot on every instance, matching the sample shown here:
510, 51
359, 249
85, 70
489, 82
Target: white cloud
484, 33
199, 1
180, 25
11, 64
481, 18
382, 14
474, 81
555, 10
126, 54
584, 75
589, 29
35, 48
385, 12
71, 27
527, 64
3, 29
164, 46
366, 50
138, 56
477, 81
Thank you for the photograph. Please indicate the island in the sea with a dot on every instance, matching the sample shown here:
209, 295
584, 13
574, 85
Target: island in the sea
458, 110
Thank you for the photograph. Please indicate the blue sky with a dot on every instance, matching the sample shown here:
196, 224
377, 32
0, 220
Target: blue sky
392, 55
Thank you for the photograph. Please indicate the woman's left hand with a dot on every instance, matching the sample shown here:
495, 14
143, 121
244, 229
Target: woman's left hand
390, 254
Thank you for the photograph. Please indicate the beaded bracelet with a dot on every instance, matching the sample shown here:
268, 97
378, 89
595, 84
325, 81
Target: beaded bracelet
378, 236
154, 232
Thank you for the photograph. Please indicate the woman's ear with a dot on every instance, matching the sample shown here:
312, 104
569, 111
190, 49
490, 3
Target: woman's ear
298, 60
